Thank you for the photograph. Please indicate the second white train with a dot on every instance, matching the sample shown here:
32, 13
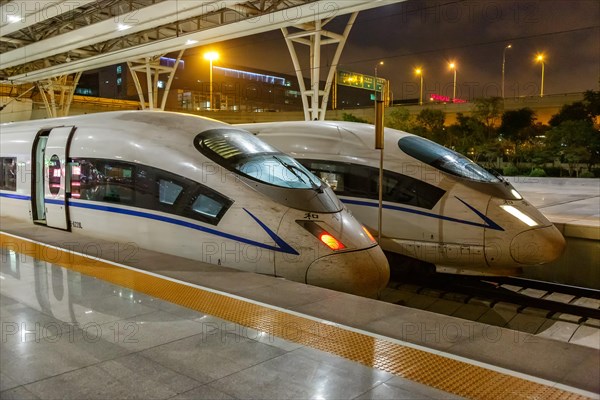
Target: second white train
438, 206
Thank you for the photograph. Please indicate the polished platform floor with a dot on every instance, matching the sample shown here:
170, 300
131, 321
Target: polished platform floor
75, 327
71, 336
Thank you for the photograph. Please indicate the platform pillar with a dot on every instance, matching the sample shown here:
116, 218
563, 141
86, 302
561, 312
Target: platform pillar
151, 67
313, 35
57, 94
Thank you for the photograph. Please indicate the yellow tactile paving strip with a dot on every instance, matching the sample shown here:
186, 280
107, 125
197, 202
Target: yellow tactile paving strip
437, 371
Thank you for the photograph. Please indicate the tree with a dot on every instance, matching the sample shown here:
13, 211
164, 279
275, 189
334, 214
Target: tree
576, 111
516, 124
353, 118
487, 111
399, 118
431, 123
576, 142
592, 101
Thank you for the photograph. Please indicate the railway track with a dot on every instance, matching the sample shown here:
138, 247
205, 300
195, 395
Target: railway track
549, 299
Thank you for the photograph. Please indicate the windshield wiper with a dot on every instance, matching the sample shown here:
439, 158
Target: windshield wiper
293, 168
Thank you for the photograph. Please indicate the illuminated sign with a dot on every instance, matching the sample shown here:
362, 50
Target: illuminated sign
359, 81
445, 99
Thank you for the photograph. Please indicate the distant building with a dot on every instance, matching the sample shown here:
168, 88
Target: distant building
234, 88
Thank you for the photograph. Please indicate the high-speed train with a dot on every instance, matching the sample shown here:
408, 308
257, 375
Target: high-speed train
188, 186
439, 207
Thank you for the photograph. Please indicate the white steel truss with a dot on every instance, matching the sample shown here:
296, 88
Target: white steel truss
312, 34
57, 94
152, 68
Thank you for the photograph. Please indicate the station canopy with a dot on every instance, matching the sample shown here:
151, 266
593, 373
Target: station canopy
47, 38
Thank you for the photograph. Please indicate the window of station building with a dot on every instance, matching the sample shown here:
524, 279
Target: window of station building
354, 180
145, 187
8, 173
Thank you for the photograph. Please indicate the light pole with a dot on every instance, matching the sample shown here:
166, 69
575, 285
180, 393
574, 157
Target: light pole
419, 71
540, 58
211, 56
508, 46
453, 66
375, 83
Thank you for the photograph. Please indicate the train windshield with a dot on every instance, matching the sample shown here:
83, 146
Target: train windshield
444, 159
245, 153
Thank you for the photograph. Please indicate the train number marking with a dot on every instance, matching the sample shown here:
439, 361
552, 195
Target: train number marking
311, 216
76, 224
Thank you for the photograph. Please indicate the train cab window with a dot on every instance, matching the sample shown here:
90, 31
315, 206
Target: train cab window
444, 159
354, 180
246, 154
207, 206
8, 173
168, 191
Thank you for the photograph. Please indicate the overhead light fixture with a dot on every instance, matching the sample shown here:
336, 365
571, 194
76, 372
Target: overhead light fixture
122, 27
13, 18
190, 41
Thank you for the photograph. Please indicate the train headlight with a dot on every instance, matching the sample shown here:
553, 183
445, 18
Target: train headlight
331, 242
516, 194
520, 215
325, 237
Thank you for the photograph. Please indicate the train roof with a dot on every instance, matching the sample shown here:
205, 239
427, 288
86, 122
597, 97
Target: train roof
149, 119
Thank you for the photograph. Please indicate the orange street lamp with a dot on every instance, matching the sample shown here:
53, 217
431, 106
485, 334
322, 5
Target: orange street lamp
211, 56
419, 71
375, 83
540, 58
452, 65
508, 46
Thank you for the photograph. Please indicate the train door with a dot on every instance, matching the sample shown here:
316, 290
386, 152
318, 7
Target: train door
51, 175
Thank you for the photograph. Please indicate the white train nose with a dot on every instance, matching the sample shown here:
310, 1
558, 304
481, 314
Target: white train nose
363, 272
537, 246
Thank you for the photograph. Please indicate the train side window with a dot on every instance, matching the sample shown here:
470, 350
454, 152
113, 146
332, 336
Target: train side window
103, 180
207, 205
168, 191
8, 173
361, 181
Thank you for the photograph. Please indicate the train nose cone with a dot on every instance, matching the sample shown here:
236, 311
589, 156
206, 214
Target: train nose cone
537, 246
364, 272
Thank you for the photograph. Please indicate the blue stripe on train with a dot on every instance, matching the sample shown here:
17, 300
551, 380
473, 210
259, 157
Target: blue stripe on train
282, 246
488, 222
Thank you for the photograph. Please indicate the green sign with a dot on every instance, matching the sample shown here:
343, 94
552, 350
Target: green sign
360, 81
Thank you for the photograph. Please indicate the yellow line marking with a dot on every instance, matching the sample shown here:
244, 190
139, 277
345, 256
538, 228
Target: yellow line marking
450, 375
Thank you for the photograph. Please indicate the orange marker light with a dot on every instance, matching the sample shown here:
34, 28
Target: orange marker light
331, 242
368, 234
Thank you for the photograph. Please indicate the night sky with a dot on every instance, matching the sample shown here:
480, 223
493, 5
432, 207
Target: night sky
429, 34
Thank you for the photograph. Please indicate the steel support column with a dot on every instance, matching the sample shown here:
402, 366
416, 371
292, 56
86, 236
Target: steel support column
57, 94
152, 68
313, 35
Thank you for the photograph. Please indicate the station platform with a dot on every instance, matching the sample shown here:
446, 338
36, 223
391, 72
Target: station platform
87, 318
573, 205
